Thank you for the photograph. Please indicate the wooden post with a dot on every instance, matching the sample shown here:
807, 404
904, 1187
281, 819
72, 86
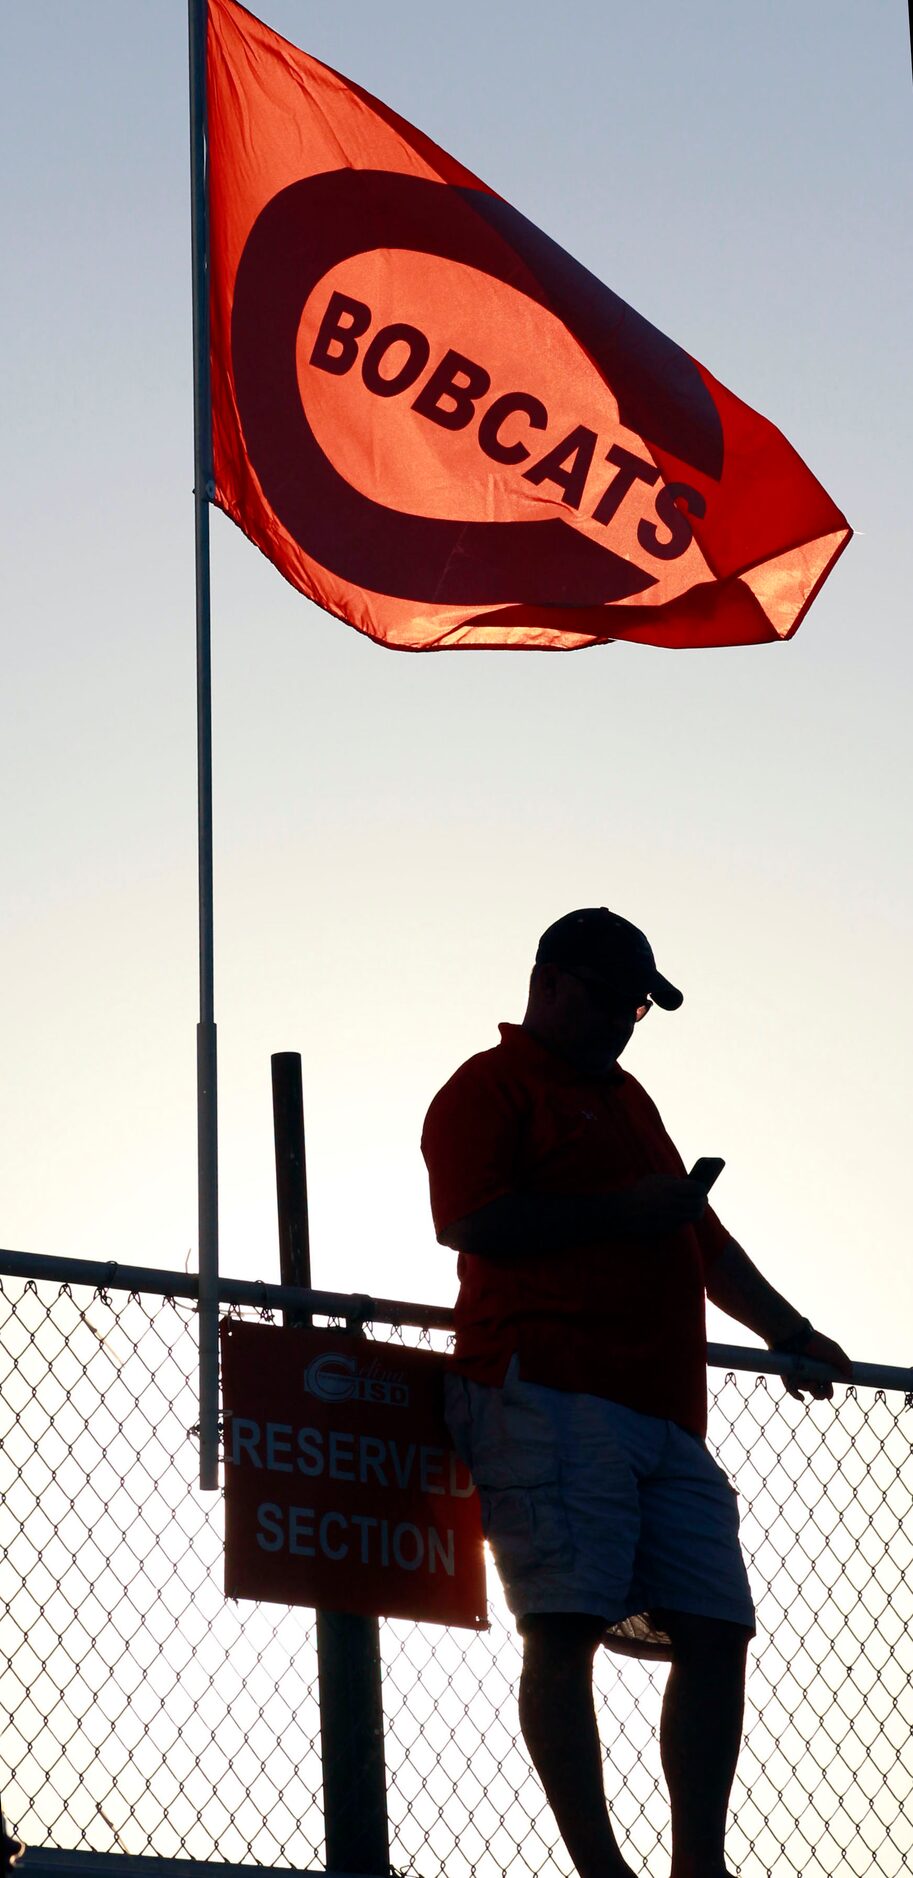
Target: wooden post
348, 1646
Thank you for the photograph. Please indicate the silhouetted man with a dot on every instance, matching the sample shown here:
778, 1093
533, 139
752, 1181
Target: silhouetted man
578, 1393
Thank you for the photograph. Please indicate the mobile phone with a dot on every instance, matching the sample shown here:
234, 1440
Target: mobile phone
706, 1170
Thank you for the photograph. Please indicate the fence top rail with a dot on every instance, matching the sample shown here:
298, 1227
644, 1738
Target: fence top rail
109, 1275
356, 1308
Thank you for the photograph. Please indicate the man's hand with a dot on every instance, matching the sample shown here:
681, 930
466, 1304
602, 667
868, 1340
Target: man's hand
819, 1349
657, 1204
739, 1289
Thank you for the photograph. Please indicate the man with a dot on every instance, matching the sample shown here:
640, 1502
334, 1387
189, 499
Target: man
578, 1396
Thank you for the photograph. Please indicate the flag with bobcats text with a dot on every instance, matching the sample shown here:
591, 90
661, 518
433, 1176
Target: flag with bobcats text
440, 426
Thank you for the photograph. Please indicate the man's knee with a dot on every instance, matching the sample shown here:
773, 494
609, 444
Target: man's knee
561, 1635
703, 1638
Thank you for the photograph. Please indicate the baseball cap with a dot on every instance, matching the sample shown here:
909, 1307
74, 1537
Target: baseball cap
610, 945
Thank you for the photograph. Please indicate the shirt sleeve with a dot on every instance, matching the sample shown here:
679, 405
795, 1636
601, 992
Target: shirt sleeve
470, 1142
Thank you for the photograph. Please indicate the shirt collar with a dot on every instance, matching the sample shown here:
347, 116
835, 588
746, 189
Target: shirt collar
523, 1044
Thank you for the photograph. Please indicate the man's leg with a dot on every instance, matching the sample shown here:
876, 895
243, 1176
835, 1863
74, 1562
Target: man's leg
700, 1735
558, 1721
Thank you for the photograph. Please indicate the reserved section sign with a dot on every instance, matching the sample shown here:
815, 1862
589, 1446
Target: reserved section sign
342, 1488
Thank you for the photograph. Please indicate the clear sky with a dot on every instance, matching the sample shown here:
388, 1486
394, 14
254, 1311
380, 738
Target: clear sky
393, 832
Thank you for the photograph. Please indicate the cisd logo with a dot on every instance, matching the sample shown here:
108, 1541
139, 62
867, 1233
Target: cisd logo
334, 1377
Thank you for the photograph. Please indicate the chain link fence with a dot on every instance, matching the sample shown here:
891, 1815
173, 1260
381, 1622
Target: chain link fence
144, 1713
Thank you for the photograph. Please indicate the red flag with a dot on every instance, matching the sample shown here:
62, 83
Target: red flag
441, 427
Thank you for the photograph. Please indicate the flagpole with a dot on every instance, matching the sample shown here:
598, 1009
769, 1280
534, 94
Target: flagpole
207, 1112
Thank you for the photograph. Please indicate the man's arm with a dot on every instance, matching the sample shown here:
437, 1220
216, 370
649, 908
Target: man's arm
524, 1225
739, 1289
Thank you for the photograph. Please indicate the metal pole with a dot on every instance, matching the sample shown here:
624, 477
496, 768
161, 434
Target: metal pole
348, 1647
352, 1744
207, 1111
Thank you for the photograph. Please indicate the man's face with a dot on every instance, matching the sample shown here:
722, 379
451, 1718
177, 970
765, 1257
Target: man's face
592, 1017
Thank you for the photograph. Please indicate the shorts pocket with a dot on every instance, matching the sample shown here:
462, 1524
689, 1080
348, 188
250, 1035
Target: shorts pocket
527, 1527
458, 1416
514, 1437
511, 1440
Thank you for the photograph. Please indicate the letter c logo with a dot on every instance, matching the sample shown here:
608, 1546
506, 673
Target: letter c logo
331, 1378
310, 227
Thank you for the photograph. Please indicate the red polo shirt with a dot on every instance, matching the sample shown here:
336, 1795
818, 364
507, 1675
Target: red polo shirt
619, 1317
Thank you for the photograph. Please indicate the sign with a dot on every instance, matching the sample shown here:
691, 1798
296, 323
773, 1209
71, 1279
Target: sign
342, 1487
440, 426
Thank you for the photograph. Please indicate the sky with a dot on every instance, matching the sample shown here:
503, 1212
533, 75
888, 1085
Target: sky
393, 832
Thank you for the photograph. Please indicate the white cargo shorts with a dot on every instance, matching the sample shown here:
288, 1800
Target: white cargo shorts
593, 1507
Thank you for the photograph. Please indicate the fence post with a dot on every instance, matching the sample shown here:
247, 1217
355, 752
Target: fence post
348, 1646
